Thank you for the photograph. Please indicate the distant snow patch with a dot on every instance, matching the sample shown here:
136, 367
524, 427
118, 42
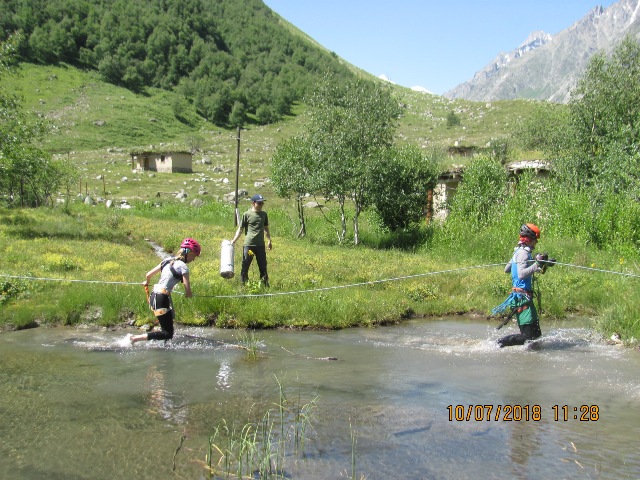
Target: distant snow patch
422, 90
384, 78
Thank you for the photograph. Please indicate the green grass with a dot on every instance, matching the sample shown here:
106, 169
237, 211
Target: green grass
424, 122
76, 101
318, 286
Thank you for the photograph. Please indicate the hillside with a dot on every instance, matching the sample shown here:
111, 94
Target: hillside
100, 124
228, 58
90, 114
206, 59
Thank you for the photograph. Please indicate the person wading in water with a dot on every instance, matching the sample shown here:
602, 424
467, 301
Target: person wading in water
172, 271
522, 268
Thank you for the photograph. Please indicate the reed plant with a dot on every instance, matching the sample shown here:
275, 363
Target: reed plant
250, 342
354, 444
260, 449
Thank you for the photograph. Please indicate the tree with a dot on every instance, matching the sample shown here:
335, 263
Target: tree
481, 194
605, 117
292, 173
28, 176
452, 119
112, 68
546, 129
238, 115
266, 114
400, 180
179, 106
351, 126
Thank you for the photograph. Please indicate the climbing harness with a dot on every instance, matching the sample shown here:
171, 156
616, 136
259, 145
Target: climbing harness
177, 275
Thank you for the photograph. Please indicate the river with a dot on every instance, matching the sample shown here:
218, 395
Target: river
426, 399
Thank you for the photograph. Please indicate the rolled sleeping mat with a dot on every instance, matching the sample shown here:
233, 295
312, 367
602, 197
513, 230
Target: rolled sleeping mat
226, 259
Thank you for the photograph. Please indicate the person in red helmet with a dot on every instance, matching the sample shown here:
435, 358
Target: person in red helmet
522, 266
172, 271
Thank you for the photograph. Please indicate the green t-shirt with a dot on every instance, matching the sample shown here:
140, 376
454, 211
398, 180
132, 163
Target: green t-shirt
253, 223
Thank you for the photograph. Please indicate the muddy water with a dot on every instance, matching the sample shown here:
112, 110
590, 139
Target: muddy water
78, 404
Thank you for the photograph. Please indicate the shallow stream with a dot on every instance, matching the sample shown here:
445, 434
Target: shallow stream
80, 404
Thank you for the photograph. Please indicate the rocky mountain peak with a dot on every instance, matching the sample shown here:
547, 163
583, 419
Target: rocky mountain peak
546, 67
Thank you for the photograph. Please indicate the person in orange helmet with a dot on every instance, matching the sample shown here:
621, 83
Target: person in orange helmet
522, 268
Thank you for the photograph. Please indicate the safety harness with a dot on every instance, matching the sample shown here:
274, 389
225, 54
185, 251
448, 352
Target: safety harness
177, 275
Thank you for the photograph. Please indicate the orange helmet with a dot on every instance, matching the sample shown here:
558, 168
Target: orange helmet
530, 230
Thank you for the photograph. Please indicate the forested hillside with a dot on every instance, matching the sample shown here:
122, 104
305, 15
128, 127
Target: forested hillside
229, 58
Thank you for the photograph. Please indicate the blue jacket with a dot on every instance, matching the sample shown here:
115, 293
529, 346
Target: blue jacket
522, 267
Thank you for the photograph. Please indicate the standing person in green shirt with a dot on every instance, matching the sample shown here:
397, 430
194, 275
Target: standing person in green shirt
255, 224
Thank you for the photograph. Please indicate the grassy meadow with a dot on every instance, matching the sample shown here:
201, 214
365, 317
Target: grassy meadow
107, 251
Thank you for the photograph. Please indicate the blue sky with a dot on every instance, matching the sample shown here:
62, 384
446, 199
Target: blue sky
435, 45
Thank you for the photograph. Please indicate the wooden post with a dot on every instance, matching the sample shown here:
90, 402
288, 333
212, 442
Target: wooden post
429, 205
235, 219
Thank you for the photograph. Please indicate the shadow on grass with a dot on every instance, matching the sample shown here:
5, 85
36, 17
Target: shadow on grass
408, 239
28, 233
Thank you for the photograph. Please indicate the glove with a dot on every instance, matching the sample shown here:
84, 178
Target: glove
541, 259
544, 262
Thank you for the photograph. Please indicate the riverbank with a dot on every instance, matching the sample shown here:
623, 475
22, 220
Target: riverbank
86, 265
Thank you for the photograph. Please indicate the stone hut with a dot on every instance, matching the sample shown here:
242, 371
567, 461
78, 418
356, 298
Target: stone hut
439, 198
540, 167
167, 162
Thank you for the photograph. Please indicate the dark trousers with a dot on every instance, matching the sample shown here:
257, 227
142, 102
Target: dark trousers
261, 257
156, 301
531, 331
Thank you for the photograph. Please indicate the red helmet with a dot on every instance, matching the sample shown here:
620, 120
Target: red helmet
192, 245
530, 230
